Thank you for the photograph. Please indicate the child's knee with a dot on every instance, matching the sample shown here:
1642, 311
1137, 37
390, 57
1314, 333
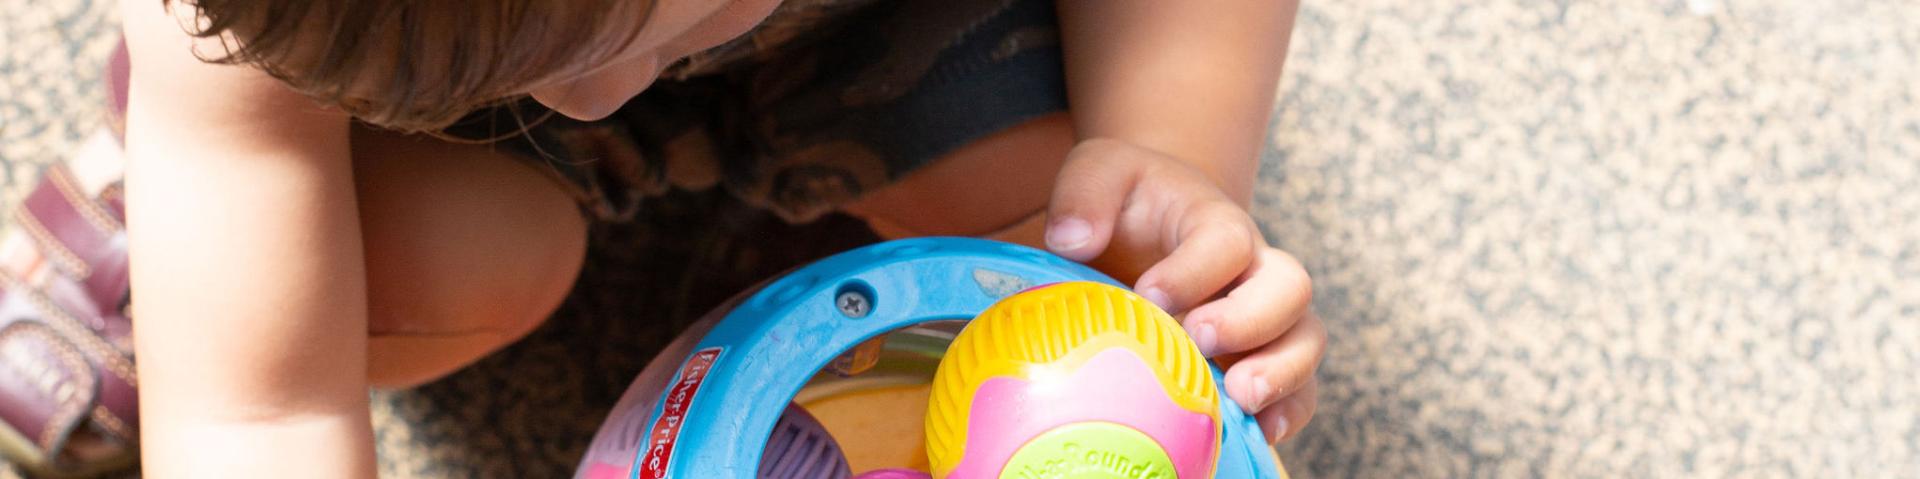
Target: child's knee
428, 316
425, 323
466, 251
403, 360
988, 185
430, 341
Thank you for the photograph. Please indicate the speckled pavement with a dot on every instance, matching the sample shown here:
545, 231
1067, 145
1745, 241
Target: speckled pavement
1564, 239
1645, 239
51, 52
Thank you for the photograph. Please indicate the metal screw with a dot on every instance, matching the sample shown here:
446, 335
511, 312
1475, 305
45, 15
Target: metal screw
854, 304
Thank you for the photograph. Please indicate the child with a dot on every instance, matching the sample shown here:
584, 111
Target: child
330, 195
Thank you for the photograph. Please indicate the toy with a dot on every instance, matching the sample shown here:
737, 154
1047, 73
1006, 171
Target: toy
842, 369
1071, 379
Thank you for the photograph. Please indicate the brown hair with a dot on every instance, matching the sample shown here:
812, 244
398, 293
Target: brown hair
415, 65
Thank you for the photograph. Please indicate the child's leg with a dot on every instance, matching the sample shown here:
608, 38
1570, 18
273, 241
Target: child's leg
992, 186
468, 249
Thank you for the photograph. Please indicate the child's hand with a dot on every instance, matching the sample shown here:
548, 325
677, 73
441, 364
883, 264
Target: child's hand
1131, 210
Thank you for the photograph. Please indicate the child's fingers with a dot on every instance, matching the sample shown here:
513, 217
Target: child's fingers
1285, 418
1280, 368
1094, 183
1273, 295
1215, 246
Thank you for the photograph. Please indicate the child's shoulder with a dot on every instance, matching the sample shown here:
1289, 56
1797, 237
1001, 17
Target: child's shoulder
174, 93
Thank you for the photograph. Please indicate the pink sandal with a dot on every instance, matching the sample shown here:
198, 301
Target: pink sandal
67, 385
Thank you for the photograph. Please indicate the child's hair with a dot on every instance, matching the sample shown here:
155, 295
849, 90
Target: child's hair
415, 65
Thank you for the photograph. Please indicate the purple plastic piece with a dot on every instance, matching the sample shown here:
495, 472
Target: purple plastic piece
800, 448
895, 474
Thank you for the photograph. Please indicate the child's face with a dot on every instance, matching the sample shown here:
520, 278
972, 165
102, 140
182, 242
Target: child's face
674, 30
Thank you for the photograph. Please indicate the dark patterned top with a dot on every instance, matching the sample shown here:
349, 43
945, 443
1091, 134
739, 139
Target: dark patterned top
793, 19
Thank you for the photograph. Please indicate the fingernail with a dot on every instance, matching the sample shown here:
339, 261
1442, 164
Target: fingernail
1279, 430
1069, 234
1261, 391
1203, 336
1247, 394
1159, 298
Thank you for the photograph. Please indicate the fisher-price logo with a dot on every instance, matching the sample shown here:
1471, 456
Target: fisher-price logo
653, 464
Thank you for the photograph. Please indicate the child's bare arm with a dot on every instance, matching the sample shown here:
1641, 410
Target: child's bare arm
1171, 100
251, 306
1193, 79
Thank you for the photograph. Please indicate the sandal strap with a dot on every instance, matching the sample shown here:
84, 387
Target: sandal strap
66, 352
65, 340
106, 348
47, 388
61, 308
82, 238
86, 245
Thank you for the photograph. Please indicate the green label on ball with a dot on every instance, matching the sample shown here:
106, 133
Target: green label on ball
1090, 450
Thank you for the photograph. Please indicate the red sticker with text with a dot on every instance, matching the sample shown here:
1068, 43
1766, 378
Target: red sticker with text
653, 464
